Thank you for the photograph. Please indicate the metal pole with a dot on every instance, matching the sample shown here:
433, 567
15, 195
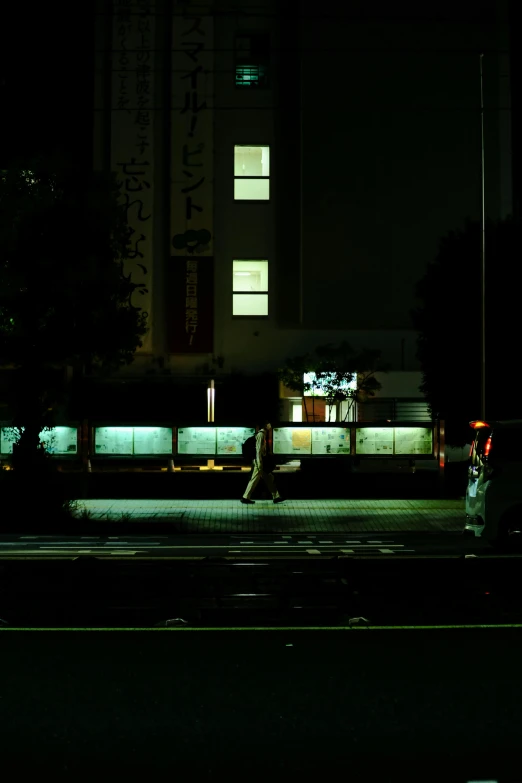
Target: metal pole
483, 255
301, 168
211, 400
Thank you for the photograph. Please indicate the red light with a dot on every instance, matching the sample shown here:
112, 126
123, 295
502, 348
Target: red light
478, 425
470, 450
487, 447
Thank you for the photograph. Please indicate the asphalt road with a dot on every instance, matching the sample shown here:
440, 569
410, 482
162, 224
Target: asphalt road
237, 546
281, 705
246, 591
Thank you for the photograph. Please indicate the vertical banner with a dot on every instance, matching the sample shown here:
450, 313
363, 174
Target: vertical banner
132, 117
191, 304
190, 293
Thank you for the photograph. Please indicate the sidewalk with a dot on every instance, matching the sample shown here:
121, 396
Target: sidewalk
303, 516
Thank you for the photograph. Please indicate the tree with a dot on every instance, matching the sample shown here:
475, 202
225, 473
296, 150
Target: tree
65, 300
448, 320
335, 373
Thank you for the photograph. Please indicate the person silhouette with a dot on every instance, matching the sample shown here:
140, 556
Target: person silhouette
260, 467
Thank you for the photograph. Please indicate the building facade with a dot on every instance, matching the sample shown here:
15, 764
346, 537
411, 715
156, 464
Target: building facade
289, 170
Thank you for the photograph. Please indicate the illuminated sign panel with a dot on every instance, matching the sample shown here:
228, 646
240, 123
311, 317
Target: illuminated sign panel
128, 441
197, 441
292, 440
388, 441
331, 440
230, 440
59, 440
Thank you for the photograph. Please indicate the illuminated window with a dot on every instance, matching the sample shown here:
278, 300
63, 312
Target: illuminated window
297, 411
251, 75
251, 173
252, 61
317, 390
250, 288
330, 412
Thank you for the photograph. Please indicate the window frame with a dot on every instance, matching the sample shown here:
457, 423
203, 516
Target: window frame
251, 293
254, 61
269, 177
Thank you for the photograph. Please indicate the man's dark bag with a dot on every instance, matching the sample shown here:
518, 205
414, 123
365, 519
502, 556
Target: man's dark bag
249, 454
249, 449
269, 463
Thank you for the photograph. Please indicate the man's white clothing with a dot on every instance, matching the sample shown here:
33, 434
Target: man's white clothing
257, 469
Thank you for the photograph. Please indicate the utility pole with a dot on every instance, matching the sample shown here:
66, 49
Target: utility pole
482, 255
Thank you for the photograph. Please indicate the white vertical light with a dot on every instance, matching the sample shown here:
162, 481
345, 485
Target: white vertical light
211, 399
297, 412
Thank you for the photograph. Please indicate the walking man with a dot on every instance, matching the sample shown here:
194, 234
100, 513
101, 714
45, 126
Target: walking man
258, 468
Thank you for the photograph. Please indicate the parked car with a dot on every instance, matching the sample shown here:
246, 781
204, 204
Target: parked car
494, 491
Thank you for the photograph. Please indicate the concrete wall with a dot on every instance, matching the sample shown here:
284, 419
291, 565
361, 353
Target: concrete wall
399, 384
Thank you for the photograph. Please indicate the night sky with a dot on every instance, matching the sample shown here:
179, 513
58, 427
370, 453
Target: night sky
46, 62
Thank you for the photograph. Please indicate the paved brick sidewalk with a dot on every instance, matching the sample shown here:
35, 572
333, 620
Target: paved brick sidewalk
230, 516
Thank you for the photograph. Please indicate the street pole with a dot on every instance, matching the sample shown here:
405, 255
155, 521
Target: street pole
483, 255
211, 400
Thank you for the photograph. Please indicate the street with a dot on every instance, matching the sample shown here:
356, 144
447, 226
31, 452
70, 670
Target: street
389, 657
423, 706
84, 590
251, 544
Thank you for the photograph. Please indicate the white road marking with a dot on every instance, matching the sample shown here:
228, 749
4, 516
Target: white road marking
387, 552
127, 543
260, 551
66, 543
268, 547
45, 551
74, 550
326, 542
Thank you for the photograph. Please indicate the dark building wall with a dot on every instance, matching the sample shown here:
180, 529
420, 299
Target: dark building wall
288, 163
391, 153
372, 117
515, 63
242, 229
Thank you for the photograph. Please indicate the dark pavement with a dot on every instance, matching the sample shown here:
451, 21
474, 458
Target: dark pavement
375, 667
279, 705
246, 591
